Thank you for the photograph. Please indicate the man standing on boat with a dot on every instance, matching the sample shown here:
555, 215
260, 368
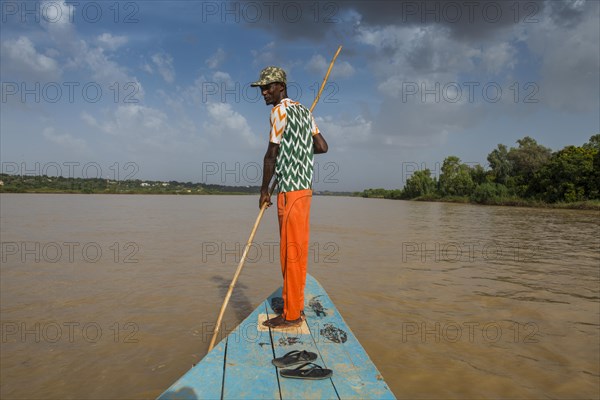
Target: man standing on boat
294, 138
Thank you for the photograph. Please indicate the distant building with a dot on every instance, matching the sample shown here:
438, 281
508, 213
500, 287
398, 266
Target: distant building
145, 184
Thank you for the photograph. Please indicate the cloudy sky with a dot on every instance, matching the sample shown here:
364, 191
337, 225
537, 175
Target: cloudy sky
159, 90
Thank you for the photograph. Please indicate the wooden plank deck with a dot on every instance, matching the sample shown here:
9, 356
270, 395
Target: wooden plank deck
239, 367
286, 341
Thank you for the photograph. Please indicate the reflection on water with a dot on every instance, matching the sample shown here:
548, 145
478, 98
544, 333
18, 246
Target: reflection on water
115, 296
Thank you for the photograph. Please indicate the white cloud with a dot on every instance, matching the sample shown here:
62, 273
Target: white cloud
89, 119
347, 134
196, 94
209, 90
563, 43
569, 59
19, 56
52, 53
81, 57
138, 121
102, 67
413, 52
216, 59
223, 77
110, 42
228, 123
140, 129
65, 140
164, 63
57, 14
108, 126
136, 125
319, 65
131, 115
421, 72
412, 56
264, 56
499, 57
147, 68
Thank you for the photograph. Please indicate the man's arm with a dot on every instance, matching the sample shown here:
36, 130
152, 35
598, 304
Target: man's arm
268, 172
319, 144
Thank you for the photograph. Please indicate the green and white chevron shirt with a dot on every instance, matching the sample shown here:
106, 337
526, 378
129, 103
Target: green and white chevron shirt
292, 127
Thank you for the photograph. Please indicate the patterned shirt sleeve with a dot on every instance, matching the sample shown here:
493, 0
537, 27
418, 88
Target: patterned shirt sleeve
314, 128
278, 120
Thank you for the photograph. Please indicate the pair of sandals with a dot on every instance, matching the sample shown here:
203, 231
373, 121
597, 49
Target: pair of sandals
308, 369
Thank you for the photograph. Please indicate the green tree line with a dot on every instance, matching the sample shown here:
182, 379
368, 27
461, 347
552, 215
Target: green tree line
525, 174
58, 184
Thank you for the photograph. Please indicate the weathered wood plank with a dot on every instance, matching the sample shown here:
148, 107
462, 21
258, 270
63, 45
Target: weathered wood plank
249, 373
284, 342
354, 374
203, 381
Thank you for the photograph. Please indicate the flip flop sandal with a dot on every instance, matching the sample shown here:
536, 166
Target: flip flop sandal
293, 358
301, 372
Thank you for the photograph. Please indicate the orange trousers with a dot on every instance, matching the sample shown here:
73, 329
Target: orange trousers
293, 211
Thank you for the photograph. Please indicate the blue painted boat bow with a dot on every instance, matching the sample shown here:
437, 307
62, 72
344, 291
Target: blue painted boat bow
239, 367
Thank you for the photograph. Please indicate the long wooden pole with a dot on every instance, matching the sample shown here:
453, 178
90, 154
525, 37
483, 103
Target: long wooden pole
254, 229
325, 79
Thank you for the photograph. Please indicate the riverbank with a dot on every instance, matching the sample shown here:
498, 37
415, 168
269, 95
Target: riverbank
500, 201
593, 205
61, 185
126, 191
516, 202
52, 184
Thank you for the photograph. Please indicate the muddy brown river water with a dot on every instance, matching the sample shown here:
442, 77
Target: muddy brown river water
114, 296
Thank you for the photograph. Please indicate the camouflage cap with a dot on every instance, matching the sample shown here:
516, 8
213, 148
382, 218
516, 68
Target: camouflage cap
269, 75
